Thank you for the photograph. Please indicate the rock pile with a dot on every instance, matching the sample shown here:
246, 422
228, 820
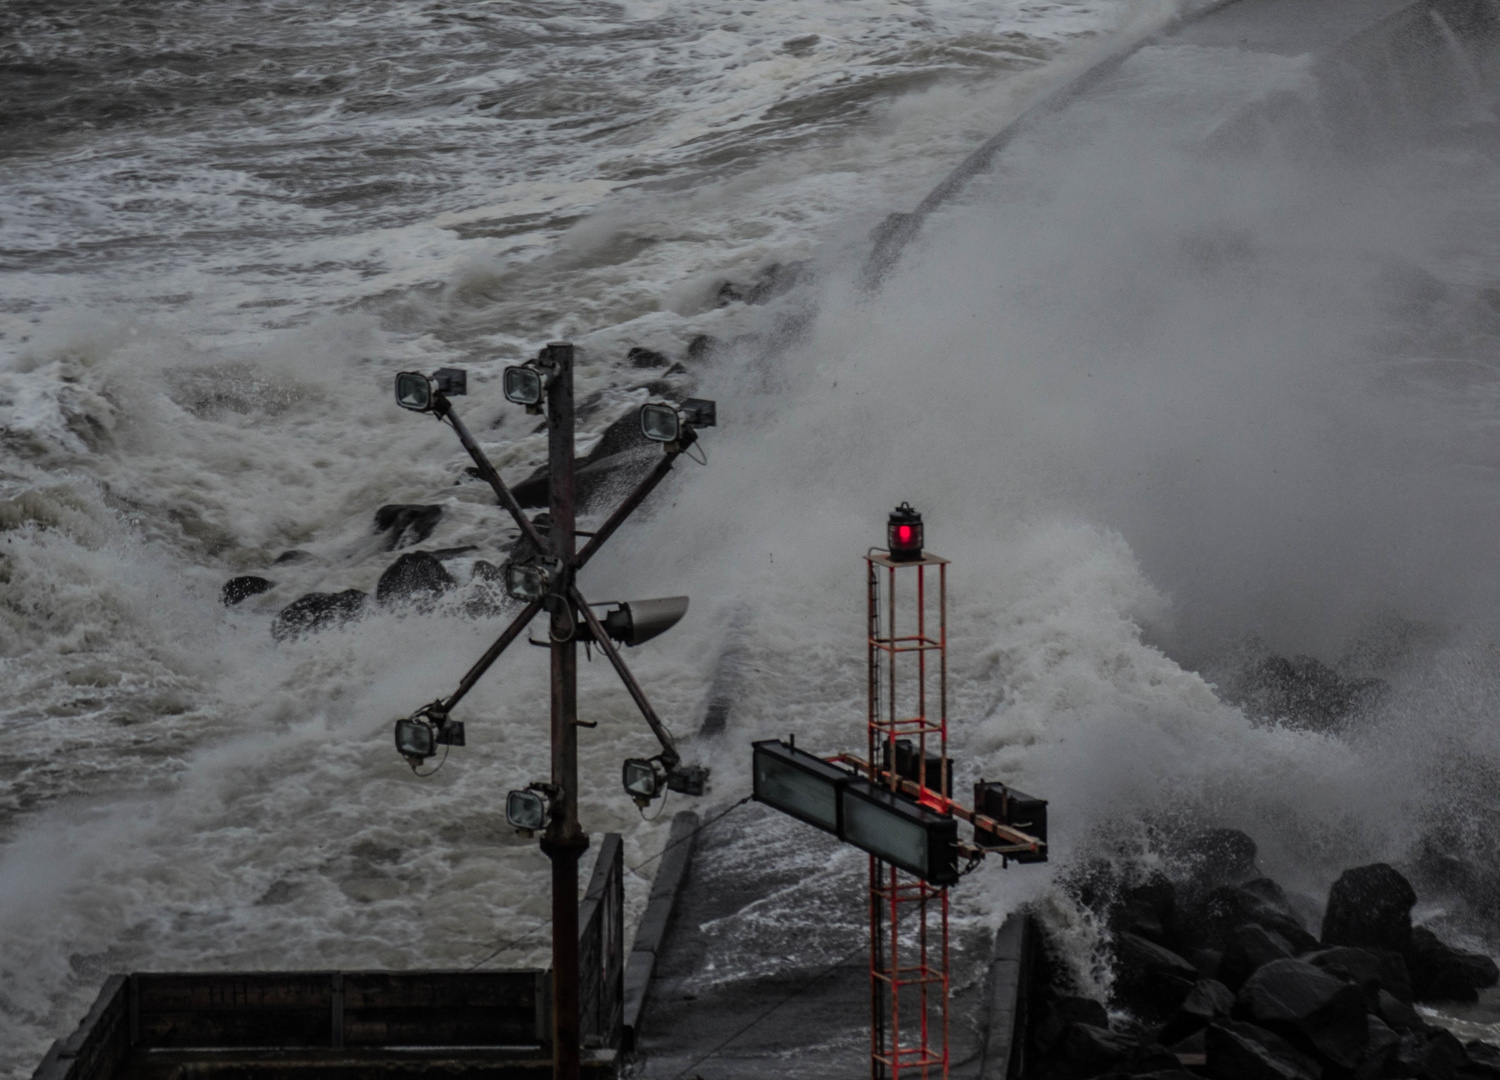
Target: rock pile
1216, 975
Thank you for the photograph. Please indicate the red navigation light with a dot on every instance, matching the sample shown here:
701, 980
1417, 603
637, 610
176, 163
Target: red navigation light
904, 534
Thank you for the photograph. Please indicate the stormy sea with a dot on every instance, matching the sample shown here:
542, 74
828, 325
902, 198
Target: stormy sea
1197, 387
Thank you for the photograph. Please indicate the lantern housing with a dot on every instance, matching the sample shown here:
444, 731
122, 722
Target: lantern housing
903, 534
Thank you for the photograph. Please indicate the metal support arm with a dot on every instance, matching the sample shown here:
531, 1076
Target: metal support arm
669, 755
444, 408
492, 654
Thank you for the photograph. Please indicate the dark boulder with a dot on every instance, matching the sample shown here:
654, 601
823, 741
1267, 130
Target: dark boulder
1433, 1054
646, 358
1249, 947
1369, 905
1380, 1050
1239, 1051
293, 556
1209, 921
616, 458
1086, 1051
1207, 1001
416, 577
1054, 1015
243, 588
1145, 909
1440, 972
1310, 1008
701, 346
1353, 966
1398, 1014
1484, 1060
1220, 856
317, 611
406, 524
1149, 980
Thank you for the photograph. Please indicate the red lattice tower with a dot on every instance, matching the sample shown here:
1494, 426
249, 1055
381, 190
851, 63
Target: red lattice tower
908, 917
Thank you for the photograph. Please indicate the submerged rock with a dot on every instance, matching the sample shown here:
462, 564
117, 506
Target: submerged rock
416, 577
243, 588
317, 611
406, 524
1305, 692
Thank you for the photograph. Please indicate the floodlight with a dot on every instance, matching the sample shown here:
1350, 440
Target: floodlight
526, 581
416, 740
900, 831
643, 779
904, 534
526, 810
660, 423
641, 620
798, 783
413, 391
522, 385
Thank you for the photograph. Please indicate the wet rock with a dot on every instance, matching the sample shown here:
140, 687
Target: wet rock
1146, 910
1207, 1001
1055, 1014
1398, 1014
416, 577
1209, 921
406, 524
1369, 905
1245, 1052
728, 293
243, 588
1086, 1051
776, 280
1440, 972
1221, 856
1370, 969
317, 611
293, 556
646, 358
1433, 1054
1250, 946
1484, 1059
1381, 1045
1309, 1007
1150, 980
701, 346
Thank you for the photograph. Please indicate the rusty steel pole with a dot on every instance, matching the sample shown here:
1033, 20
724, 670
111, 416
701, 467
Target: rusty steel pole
564, 841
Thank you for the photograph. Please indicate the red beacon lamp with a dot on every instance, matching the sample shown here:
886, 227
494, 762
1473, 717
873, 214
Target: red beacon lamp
903, 534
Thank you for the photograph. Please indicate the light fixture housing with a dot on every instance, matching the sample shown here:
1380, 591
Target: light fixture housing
414, 391
643, 779
416, 740
903, 534
700, 412
660, 423
526, 810
522, 385
888, 825
1016, 809
636, 621
451, 381
526, 581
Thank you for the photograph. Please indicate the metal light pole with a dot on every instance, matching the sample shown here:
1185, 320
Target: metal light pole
564, 842
570, 620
